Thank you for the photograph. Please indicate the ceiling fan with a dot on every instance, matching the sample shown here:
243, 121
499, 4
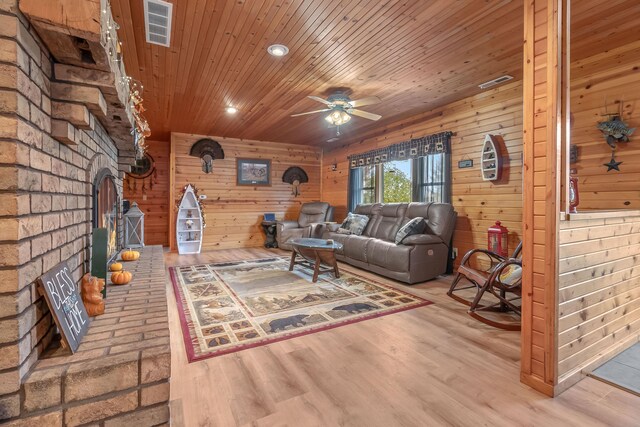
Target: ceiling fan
341, 108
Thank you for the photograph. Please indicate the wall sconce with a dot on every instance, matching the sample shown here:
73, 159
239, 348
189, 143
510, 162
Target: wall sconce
207, 150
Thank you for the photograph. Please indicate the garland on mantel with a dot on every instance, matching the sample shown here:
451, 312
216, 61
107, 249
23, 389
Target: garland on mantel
411, 149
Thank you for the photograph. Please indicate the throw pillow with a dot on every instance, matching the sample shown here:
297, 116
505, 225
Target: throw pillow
511, 274
354, 224
414, 226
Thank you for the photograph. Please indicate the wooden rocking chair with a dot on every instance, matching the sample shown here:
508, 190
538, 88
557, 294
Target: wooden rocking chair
503, 277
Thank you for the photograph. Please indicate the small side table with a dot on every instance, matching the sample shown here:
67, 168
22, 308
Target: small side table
270, 230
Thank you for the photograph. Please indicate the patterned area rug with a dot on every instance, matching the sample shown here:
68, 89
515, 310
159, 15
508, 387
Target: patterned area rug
230, 307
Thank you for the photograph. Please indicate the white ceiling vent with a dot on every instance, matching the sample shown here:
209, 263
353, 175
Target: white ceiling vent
494, 82
157, 19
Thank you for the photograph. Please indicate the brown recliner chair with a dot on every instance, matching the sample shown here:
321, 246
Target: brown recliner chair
310, 213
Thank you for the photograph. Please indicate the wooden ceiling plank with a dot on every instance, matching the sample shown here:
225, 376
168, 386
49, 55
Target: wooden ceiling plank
272, 22
301, 69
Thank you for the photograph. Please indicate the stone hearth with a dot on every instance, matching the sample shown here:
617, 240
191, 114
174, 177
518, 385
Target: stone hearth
120, 374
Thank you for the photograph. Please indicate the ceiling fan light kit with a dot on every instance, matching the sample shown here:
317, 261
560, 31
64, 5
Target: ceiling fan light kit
342, 108
338, 117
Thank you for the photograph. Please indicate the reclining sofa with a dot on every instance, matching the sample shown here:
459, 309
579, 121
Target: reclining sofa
418, 258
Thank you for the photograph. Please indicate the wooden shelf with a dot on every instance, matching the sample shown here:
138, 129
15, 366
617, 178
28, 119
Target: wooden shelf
490, 148
189, 203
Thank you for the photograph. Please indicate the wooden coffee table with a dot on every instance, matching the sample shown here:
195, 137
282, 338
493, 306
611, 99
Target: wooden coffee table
315, 253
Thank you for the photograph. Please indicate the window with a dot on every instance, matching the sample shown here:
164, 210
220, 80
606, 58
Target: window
397, 185
433, 173
423, 179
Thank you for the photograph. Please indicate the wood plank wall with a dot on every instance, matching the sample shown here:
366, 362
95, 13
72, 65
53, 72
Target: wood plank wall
154, 201
541, 195
601, 84
599, 291
234, 213
479, 203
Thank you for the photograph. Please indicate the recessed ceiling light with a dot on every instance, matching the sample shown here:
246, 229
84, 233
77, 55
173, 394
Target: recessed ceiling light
231, 110
278, 50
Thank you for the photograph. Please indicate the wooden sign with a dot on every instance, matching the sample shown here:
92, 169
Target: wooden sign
65, 304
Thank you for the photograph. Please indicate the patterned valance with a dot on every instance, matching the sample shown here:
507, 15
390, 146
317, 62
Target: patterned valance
411, 149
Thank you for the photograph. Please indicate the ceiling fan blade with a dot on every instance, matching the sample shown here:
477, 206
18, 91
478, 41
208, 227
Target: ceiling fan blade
310, 112
364, 114
365, 101
317, 98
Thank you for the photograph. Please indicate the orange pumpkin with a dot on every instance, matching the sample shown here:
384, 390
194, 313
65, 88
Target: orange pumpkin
116, 266
130, 255
121, 277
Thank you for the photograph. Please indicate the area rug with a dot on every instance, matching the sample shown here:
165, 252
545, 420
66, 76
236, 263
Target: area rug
233, 306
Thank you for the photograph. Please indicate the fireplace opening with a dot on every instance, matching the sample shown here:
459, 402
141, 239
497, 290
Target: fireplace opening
105, 209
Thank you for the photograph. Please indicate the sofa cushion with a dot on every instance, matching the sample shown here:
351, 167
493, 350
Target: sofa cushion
387, 220
369, 210
355, 247
414, 226
388, 255
355, 223
338, 238
313, 212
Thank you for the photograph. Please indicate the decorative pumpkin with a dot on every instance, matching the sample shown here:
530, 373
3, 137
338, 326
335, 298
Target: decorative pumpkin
91, 296
121, 277
130, 255
116, 266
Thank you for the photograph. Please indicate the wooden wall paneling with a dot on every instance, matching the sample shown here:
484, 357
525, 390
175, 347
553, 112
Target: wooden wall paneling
234, 212
606, 82
172, 195
599, 291
478, 203
154, 202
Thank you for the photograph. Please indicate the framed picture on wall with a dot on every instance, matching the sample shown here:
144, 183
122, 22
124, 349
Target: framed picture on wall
253, 172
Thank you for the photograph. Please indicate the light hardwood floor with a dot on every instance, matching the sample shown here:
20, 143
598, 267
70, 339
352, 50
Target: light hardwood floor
429, 366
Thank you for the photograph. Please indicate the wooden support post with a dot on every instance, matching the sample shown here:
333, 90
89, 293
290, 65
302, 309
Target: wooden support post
542, 101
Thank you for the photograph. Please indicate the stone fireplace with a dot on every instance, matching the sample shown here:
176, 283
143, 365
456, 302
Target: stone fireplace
60, 141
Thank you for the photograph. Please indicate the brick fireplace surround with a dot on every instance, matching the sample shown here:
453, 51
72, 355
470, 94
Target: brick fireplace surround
120, 374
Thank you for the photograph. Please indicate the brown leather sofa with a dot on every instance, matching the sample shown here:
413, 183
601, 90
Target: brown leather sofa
420, 257
310, 214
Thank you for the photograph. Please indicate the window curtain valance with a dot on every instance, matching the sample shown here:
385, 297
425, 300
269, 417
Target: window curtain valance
411, 149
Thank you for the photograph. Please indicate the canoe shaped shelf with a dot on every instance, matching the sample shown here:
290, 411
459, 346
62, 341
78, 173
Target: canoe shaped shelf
189, 223
490, 159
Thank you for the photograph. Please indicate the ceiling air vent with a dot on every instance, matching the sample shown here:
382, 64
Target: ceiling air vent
494, 82
157, 19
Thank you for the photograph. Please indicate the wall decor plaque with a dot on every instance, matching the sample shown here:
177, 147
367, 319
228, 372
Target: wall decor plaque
463, 164
63, 298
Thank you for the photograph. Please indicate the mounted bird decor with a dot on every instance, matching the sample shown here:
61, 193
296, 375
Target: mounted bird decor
615, 131
295, 176
207, 150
